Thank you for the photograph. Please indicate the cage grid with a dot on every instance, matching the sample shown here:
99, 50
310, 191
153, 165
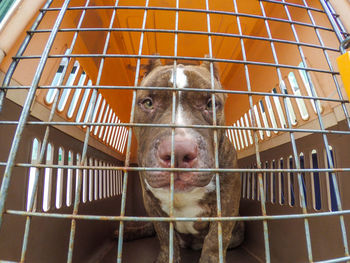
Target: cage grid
67, 112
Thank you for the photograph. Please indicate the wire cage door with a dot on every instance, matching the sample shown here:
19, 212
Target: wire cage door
67, 103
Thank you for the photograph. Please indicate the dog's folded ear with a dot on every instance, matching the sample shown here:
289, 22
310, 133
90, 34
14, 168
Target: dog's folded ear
152, 64
206, 64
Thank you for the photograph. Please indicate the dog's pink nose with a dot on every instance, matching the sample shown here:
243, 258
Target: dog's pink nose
185, 152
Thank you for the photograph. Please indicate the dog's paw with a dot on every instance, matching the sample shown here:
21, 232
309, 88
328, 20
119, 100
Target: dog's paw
164, 258
209, 259
136, 230
237, 235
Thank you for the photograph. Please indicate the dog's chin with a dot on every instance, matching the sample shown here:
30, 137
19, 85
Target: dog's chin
183, 182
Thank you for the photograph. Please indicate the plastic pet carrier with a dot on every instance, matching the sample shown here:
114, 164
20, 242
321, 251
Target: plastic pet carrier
70, 70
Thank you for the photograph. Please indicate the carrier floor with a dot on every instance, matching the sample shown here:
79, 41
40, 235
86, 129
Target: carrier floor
145, 250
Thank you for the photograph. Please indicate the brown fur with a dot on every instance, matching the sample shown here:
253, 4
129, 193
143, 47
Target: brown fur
230, 183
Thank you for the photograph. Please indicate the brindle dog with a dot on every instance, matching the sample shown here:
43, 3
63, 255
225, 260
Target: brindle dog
194, 194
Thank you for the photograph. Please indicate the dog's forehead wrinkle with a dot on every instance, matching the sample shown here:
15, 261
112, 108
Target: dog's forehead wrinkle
159, 77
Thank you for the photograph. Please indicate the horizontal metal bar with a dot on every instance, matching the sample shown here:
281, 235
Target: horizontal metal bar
192, 10
157, 125
334, 260
332, 20
214, 170
177, 219
235, 92
294, 5
170, 31
221, 60
21, 49
164, 8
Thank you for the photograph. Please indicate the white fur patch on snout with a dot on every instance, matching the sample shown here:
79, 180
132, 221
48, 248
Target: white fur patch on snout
181, 82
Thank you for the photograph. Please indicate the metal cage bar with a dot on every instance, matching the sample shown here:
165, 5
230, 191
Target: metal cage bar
188, 32
256, 144
295, 152
86, 140
180, 219
180, 58
216, 145
216, 170
44, 144
128, 149
198, 11
172, 153
328, 61
325, 140
252, 93
58, 123
25, 111
11, 69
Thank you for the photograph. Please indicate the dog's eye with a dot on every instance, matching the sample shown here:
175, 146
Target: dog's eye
210, 105
147, 103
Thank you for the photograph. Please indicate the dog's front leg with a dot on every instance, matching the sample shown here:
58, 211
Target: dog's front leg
210, 251
230, 197
162, 229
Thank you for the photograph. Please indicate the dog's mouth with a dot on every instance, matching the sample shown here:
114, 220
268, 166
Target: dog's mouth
184, 181
189, 152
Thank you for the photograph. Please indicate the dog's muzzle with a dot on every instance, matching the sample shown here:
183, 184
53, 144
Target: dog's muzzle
187, 154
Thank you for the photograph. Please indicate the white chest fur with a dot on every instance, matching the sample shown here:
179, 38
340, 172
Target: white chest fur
186, 204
